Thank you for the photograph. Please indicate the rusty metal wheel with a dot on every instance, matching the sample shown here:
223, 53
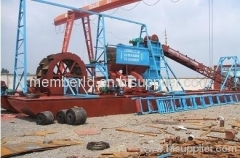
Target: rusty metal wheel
45, 118
55, 67
76, 116
61, 116
61, 64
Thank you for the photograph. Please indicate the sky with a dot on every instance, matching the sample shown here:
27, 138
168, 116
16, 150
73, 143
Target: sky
185, 21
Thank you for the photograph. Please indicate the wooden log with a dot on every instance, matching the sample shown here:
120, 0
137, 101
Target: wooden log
204, 119
206, 132
220, 130
154, 126
234, 140
235, 125
136, 132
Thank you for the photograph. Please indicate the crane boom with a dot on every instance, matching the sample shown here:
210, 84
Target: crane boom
100, 6
71, 16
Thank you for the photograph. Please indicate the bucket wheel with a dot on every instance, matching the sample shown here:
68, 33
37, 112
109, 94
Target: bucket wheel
57, 66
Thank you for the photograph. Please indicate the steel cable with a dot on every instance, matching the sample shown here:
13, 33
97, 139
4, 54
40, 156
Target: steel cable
151, 4
175, 1
131, 8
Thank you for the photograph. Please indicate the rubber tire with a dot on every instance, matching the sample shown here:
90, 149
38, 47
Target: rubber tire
76, 116
97, 145
61, 116
44, 118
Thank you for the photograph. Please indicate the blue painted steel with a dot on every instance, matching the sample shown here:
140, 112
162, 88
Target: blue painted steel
170, 104
149, 102
208, 100
187, 102
235, 98
20, 65
100, 51
103, 69
87, 11
156, 57
157, 66
132, 55
176, 93
100, 58
198, 99
229, 98
165, 105
3, 92
183, 103
229, 72
221, 99
71, 88
164, 155
216, 100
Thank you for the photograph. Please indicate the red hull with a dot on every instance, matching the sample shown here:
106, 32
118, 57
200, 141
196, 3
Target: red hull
6, 105
102, 106
94, 107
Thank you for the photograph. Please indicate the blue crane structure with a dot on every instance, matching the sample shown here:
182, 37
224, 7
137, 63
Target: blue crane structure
155, 59
231, 71
20, 65
147, 53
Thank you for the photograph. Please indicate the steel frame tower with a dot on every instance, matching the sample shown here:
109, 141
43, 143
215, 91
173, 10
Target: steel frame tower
100, 58
20, 65
229, 72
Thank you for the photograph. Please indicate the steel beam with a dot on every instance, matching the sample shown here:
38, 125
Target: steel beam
80, 10
20, 65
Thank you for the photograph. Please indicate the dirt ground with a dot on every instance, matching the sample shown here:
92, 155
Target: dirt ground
16, 129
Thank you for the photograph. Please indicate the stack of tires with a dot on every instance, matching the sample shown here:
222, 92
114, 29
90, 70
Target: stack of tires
73, 116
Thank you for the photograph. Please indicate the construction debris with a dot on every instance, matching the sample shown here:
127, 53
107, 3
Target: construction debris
192, 119
125, 154
11, 116
91, 131
182, 140
194, 146
136, 132
230, 134
133, 149
235, 125
98, 145
40, 133
221, 130
166, 122
26, 147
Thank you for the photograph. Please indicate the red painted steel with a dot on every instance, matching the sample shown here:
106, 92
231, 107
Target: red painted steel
88, 37
73, 67
100, 6
105, 105
198, 67
138, 106
216, 85
68, 30
6, 105
137, 76
69, 18
126, 70
94, 107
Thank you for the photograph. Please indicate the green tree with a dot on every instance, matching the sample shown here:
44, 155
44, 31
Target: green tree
4, 71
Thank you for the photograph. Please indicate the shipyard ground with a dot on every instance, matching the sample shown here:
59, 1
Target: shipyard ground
13, 130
